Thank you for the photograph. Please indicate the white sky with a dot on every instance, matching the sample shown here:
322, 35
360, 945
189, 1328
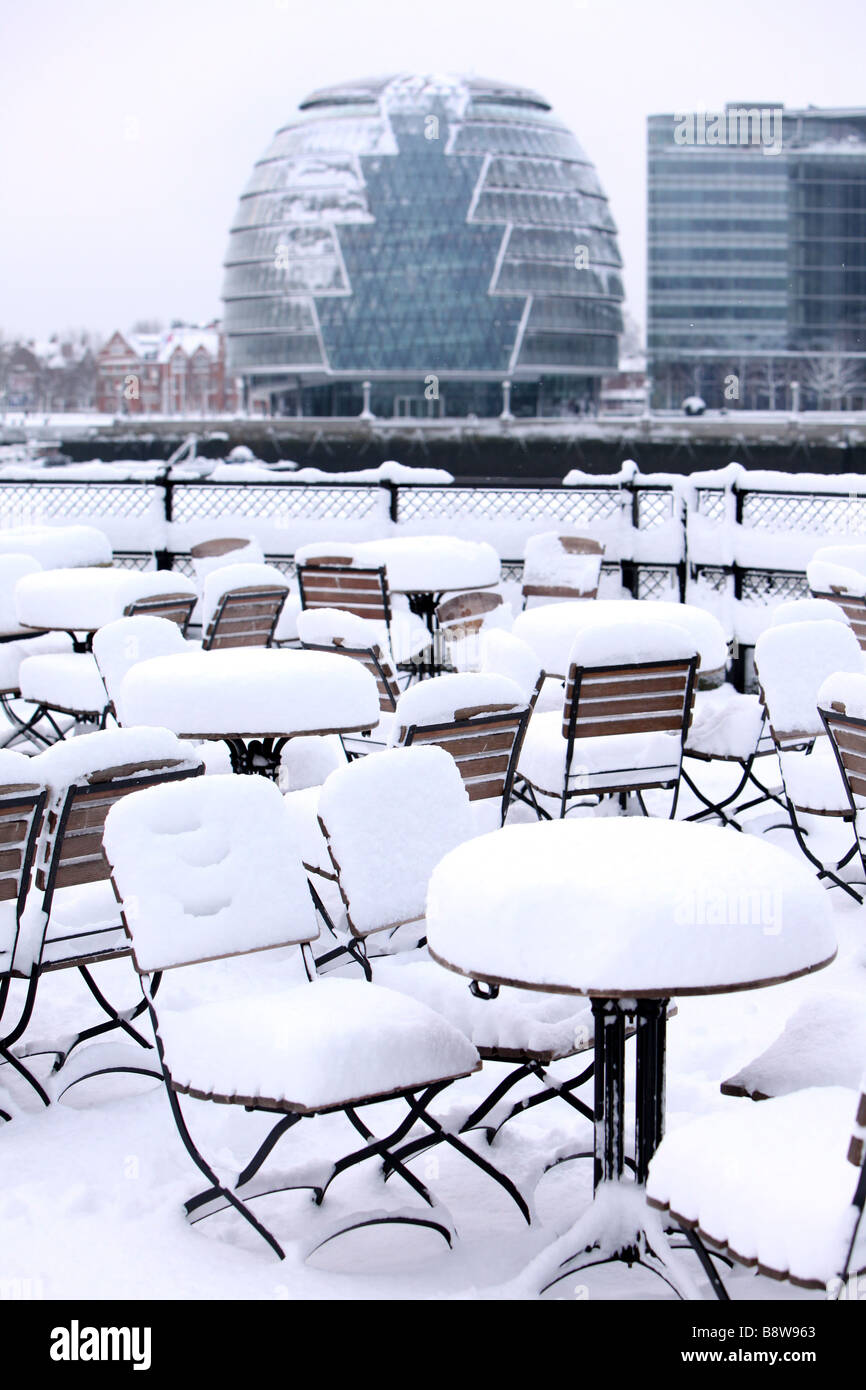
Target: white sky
127, 130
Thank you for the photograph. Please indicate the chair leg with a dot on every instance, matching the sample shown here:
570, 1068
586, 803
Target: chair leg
707, 1265
353, 949
823, 871
115, 1019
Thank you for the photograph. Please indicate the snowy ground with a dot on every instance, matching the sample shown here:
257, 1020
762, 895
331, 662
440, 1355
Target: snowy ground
91, 1189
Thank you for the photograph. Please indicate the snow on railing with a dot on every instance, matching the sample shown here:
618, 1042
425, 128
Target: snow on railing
731, 539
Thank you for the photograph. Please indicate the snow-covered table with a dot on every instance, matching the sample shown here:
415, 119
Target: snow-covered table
254, 699
551, 629
79, 601
57, 547
632, 913
424, 568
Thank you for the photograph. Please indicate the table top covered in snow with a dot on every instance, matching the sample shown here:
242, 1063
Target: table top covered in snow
82, 600
420, 564
57, 547
250, 692
551, 628
627, 907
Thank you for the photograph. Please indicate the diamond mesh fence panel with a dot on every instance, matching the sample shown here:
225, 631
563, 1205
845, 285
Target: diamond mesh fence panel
657, 581
264, 501
766, 586
713, 577
29, 503
655, 507
782, 511
136, 560
579, 506
711, 503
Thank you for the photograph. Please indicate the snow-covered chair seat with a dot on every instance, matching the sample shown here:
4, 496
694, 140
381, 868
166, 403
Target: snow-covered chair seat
207, 873
241, 605
808, 610
71, 683
728, 727
12, 568
338, 630
480, 718
118, 646
822, 1044
80, 923
628, 703
333, 577
68, 682
769, 1185
837, 573
792, 663
561, 567
388, 822
26, 722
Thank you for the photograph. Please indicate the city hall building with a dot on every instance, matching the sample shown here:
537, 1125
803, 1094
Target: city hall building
422, 247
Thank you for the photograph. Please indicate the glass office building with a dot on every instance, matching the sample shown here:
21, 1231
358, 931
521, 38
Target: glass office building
757, 257
423, 246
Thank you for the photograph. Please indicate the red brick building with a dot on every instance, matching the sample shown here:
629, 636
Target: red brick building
177, 372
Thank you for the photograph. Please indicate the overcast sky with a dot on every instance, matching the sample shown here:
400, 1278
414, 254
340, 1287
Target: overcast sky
127, 130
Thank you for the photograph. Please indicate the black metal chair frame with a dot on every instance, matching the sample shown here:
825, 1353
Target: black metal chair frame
217, 1196
34, 804
718, 807
828, 718
367, 656
115, 1019
799, 832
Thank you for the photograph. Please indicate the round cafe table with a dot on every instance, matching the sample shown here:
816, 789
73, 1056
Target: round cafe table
253, 699
632, 913
80, 601
551, 629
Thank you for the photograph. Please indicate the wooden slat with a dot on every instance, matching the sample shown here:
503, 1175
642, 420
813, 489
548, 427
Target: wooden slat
14, 832
557, 591
484, 767
609, 686
8, 889
10, 860
89, 871
480, 791
459, 743
662, 723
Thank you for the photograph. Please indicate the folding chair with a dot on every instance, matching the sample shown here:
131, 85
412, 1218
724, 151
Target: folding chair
120, 645
728, 727
327, 1046
792, 662
481, 720
778, 1195
79, 924
335, 582
221, 551
561, 567
30, 726
337, 630
463, 619
837, 573
70, 684
387, 823
624, 723
821, 1045
241, 605
22, 800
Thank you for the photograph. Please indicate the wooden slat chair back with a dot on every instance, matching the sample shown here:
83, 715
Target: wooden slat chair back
572, 545
354, 589
71, 853
21, 812
177, 608
464, 614
245, 617
217, 547
484, 742
634, 698
854, 609
376, 662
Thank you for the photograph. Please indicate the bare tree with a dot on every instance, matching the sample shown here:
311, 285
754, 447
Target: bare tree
832, 376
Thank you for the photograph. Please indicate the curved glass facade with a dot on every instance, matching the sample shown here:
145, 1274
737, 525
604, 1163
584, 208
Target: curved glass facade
433, 236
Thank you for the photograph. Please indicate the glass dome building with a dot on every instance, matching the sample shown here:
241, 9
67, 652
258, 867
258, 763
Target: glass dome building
423, 246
